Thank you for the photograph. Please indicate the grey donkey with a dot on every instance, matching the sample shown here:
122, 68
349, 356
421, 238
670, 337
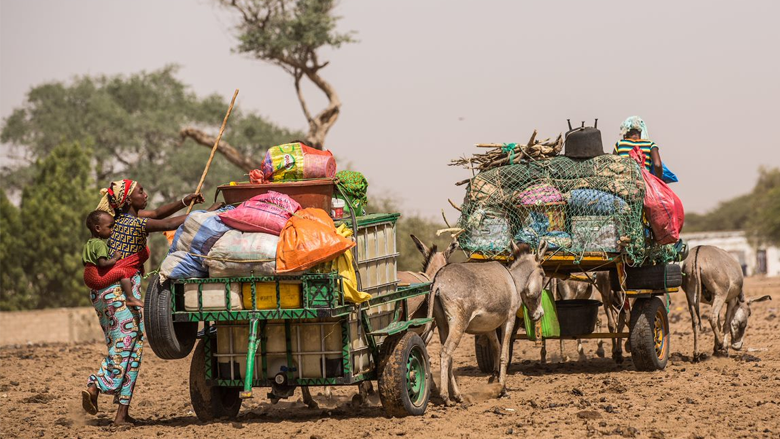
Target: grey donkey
711, 275
479, 297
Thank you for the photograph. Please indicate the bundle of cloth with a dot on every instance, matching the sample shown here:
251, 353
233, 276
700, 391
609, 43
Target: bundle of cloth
294, 161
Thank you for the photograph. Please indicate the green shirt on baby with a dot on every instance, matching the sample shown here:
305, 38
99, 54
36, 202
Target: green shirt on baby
94, 249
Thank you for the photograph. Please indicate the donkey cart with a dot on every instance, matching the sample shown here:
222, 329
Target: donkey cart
641, 292
281, 332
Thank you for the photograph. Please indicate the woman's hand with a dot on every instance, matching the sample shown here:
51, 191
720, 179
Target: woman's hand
187, 200
216, 206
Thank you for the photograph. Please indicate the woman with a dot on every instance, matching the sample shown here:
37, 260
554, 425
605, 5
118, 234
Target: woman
123, 326
634, 132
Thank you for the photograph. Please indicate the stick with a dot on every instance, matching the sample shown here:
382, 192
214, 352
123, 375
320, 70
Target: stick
213, 151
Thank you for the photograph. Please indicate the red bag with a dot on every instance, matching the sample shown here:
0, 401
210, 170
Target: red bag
663, 208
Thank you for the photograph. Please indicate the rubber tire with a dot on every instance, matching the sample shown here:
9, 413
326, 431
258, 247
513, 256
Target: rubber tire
484, 353
393, 373
169, 340
210, 402
642, 334
650, 277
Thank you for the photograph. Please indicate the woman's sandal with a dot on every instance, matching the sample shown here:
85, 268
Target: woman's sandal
89, 405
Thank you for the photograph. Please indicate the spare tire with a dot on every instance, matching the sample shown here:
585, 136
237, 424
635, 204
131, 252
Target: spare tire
169, 340
652, 277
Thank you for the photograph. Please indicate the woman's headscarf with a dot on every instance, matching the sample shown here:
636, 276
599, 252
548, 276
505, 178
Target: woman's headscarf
634, 123
116, 195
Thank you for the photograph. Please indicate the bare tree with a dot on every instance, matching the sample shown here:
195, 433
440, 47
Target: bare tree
289, 33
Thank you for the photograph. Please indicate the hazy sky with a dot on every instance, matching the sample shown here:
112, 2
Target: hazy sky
428, 79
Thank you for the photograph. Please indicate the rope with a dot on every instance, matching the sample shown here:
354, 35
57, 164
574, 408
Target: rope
247, 261
509, 149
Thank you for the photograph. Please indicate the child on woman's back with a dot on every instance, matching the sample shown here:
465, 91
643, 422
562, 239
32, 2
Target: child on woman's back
101, 224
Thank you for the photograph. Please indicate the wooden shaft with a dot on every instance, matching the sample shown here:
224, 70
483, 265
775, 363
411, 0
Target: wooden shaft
213, 150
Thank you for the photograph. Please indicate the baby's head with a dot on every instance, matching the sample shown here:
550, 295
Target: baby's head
100, 223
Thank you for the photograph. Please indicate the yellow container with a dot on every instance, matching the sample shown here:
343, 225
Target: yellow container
289, 294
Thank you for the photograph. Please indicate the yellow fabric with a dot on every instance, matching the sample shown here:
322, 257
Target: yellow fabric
343, 264
119, 189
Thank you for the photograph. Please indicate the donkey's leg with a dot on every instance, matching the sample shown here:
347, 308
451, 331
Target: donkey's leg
495, 349
717, 306
695, 324
563, 358
581, 350
543, 352
308, 399
509, 327
448, 383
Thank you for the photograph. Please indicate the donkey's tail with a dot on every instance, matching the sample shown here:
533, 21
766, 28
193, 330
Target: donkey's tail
428, 331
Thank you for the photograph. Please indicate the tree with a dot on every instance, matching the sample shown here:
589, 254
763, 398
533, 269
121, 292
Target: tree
732, 214
764, 223
134, 123
410, 258
289, 34
51, 233
12, 278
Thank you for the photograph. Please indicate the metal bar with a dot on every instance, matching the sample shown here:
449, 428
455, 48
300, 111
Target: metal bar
264, 350
207, 350
288, 346
594, 335
250, 360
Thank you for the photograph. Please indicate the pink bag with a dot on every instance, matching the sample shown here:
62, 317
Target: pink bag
265, 213
663, 208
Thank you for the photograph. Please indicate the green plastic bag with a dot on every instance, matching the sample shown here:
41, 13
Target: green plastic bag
550, 325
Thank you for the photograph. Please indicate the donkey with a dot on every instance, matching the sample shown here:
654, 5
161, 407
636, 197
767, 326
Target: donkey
479, 297
433, 261
711, 275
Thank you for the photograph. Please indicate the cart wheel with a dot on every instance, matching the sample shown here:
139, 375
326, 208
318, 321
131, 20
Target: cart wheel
484, 353
169, 340
404, 386
649, 334
210, 402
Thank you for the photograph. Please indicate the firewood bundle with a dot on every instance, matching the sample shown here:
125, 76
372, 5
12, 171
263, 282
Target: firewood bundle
501, 154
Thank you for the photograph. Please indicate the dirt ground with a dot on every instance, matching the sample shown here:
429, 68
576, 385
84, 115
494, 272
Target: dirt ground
734, 397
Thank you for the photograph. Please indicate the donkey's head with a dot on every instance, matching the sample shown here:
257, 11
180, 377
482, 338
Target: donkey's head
738, 320
434, 260
528, 275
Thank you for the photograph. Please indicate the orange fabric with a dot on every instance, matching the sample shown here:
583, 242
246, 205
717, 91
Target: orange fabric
309, 238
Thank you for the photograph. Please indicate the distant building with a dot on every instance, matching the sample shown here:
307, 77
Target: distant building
754, 261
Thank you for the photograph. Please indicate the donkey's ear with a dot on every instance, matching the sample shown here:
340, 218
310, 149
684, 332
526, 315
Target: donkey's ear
759, 299
520, 250
426, 252
541, 250
450, 248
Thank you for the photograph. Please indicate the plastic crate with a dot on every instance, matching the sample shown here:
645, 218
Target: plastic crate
595, 234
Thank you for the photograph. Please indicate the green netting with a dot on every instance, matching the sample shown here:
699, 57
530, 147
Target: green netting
577, 206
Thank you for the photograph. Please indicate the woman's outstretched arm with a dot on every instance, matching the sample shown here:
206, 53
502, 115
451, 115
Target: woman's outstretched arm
172, 223
169, 209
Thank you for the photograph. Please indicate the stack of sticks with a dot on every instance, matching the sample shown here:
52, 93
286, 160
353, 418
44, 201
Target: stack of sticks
500, 156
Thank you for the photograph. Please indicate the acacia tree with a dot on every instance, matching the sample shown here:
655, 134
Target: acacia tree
289, 34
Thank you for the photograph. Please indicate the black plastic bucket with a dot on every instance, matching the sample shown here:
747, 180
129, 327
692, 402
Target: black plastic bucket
577, 317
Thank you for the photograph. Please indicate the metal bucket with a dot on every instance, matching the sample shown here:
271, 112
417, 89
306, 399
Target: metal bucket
577, 317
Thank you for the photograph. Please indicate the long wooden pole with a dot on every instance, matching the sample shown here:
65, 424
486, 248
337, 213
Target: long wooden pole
213, 150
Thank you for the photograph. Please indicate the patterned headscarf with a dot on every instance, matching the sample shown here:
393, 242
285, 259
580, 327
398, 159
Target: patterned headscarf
634, 123
116, 195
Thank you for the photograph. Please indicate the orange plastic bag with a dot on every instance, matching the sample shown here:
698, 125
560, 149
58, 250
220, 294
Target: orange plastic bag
309, 238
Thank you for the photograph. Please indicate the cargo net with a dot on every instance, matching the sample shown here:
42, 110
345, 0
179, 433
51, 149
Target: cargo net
579, 207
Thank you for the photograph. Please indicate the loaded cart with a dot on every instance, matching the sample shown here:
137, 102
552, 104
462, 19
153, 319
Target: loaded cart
588, 210
280, 332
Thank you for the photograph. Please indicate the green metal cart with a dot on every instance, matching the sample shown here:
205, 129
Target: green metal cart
296, 331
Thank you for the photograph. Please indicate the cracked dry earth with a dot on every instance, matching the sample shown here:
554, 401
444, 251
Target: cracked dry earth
735, 397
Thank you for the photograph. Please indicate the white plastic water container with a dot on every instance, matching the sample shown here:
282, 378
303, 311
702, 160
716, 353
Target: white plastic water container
213, 296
